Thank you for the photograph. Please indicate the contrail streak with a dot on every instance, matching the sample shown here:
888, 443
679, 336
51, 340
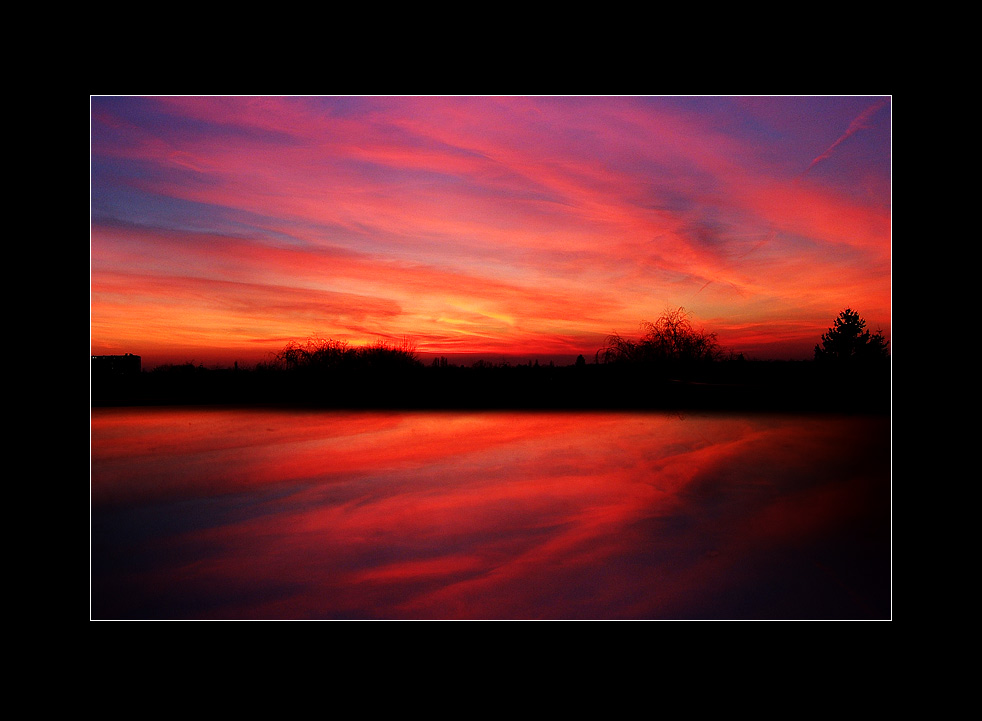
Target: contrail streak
859, 123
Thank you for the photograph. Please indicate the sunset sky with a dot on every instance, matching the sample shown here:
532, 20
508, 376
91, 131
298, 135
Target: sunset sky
529, 226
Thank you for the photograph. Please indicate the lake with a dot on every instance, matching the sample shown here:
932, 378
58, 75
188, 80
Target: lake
264, 513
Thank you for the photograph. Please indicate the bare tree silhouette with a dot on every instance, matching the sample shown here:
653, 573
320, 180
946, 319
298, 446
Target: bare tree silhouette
671, 338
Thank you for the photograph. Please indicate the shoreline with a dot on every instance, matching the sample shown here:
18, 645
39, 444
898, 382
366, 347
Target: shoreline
746, 387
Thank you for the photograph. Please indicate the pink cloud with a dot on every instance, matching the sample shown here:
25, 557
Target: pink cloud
505, 216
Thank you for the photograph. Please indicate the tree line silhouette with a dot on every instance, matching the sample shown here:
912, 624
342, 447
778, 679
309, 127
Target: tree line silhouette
671, 364
319, 356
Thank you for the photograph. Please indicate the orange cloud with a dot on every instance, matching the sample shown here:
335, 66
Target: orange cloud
469, 223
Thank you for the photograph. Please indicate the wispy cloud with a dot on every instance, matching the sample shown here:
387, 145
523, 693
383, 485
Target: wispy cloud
861, 122
506, 223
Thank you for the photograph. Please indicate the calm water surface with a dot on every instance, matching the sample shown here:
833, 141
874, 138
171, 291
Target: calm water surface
293, 514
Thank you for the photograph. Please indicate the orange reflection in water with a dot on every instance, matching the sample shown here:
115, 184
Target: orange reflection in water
309, 514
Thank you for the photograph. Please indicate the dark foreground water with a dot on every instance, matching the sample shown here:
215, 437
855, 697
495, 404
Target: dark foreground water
294, 514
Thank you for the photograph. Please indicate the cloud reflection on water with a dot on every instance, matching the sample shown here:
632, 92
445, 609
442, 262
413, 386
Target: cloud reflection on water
292, 514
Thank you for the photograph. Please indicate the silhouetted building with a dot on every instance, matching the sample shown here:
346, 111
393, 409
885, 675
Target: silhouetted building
116, 365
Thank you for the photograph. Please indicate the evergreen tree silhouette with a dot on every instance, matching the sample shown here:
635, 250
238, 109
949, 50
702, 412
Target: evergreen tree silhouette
849, 339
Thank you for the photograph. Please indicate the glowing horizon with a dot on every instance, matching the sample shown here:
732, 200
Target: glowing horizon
224, 227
